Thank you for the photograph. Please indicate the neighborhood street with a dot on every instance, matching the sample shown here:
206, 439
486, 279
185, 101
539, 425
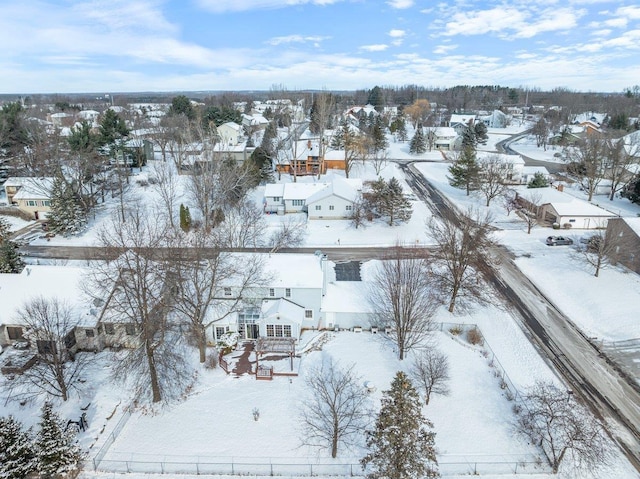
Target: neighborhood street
611, 394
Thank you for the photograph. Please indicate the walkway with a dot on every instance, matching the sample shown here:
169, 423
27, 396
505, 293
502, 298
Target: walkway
242, 364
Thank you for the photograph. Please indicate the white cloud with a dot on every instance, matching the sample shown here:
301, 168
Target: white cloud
222, 6
374, 48
397, 33
444, 49
401, 4
629, 12
296, 39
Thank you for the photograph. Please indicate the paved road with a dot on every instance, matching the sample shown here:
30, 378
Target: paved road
553, 167
611, 394
336, 254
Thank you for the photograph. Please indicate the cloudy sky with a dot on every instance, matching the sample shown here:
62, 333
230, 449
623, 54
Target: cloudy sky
168, 45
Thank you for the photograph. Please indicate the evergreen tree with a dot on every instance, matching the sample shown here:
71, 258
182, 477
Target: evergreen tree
268, 138
469, 139
387, 199
465, 171
378, 136
632, 190
17, 458
13, 132
418, 143
538, 181
82, 139
400, 128
339, 136
185, 218
66, 216
10, 261
481, 133
112, 128
375, 98
402, 445
56, 451
181, 105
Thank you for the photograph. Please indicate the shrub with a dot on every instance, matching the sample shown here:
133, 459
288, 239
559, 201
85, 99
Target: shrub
474, 336
212, 361
456, 330
566, 226
556, 226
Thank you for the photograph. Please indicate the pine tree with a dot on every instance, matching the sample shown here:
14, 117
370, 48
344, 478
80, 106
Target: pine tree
465, 171
66, 216
398, 207
538, 181
17, 458
185, 218
418, 143
10, 261
402, 445
56, 451
378, 135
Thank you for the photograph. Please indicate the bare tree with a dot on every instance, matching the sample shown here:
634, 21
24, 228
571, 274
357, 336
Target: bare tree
50, 323
337, 411
213, 284
563, 428
491, 177
587, 163
462, 248
359, 212
165, 185
290, 233
137, 283
379, 160
430, 372
602, 246
403, 298
529, 208
509, 201
622, 155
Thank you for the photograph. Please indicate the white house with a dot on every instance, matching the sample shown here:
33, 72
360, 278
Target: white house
511, 164
335, 201
31, 195
460, 122
567, 210
231, 134
445, 138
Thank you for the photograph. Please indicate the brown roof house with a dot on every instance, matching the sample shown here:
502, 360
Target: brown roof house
624, 233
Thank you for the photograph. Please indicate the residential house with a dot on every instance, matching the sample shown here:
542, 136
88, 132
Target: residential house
624, 233
328, 200
444, 138
460, 122
561, 208
527, 173
512, 166
31, 195
231, 134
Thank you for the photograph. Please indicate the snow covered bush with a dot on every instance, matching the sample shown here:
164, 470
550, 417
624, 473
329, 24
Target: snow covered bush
227, 342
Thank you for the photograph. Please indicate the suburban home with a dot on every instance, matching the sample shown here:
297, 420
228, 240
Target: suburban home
332, 200
59, 282
511, 166
31, 195
561, 208
444, 138
231, 134
624, 233
335, 201
460, 122
496, 119
290, 302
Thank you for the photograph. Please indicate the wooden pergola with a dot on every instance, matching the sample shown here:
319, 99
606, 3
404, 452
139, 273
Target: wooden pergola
265, 345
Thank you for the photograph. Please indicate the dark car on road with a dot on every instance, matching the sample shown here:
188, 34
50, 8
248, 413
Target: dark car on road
558, 240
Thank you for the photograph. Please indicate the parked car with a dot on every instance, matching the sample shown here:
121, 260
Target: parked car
558, 240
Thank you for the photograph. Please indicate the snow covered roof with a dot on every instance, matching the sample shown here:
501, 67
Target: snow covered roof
568, 205
634, 224
272, 190
301, 191
233, 126
346, 297
341, 187
282, 307
445, 132
31, 188
462, 119
294, 270
61, 282
507, 159
532, 170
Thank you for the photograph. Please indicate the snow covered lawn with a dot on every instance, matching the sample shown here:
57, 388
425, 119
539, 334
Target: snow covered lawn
215, 423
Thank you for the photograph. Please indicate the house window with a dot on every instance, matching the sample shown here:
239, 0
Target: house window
32, 203
46, 346
308, 313
279, 330
287, 330
89, 333
331, 208
109, 329
227, 291
276, 199
297, 202
130, 329
270, 330
221, 331
318, 207
46, 203
349, 207
287, 292
14, 332
272, 292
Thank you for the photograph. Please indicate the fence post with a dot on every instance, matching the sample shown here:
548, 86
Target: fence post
127, 464
197, 468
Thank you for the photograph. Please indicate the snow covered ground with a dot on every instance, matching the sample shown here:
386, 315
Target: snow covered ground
473, 424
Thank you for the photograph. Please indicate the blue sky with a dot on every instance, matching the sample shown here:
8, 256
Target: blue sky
167, 45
